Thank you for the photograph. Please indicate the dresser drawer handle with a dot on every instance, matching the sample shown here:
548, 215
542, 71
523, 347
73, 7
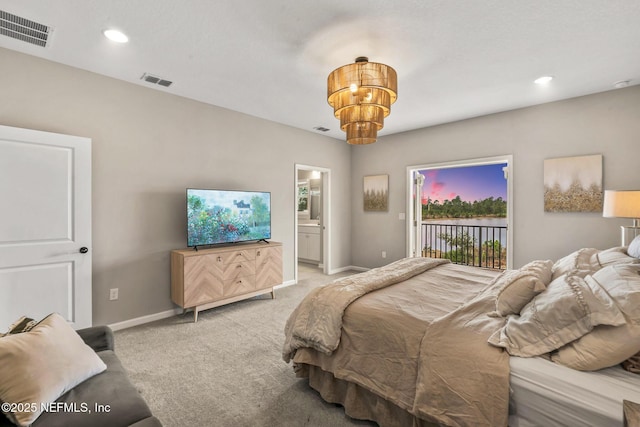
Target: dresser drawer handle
219, 259
239, 266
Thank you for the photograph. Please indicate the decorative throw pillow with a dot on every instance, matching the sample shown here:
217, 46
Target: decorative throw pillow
38, 366
609, 345
632, 364
23, 324
634, 248
569, 308
518, 287
612, 256
578, 262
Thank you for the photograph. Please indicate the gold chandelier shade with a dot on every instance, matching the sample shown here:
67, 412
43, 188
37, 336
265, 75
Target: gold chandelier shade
362, 113
361, 95
364, 96
361, 133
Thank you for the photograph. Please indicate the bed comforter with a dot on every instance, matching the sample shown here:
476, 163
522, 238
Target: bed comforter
420, 342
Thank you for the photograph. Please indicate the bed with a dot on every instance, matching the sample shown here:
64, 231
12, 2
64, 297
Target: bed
424, 342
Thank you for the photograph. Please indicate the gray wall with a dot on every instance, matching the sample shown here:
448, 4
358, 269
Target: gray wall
607, 123
148, 146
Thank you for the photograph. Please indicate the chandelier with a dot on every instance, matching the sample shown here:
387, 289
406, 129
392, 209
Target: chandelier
361, 95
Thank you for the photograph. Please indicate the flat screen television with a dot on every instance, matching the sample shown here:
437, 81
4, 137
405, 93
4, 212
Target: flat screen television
225, 216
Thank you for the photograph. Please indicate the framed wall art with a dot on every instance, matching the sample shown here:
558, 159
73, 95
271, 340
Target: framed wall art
573, 184
376, 193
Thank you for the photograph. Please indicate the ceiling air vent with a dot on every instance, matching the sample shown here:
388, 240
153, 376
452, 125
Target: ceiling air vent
321, 129
155, 80
23, 29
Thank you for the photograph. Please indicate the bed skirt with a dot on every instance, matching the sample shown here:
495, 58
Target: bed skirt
358, 402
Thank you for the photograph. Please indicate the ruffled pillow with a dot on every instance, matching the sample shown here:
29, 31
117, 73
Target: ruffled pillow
609, 345
578, 262
612, 256
570, 307
518, 287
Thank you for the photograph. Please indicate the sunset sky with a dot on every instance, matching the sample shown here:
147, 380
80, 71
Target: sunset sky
470, 183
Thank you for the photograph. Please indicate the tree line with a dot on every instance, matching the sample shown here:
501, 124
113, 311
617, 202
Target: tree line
458, 208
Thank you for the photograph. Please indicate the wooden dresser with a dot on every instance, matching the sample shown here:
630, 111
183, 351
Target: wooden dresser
212, 277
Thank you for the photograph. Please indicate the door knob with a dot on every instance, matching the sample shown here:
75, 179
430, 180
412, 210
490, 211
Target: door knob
84, 250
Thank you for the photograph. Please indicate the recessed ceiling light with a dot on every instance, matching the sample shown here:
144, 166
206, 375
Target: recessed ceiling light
621, 84
116, 36
543, 80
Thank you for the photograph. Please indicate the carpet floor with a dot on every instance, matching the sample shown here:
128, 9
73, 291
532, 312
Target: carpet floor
227, 369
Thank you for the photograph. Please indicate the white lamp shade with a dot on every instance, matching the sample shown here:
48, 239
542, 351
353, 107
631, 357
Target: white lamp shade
621, 204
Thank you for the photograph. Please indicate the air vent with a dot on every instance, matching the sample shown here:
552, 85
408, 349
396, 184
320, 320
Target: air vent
23, 29
321, 129
150, 78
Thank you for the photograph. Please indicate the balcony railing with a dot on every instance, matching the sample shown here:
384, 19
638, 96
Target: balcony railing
475, 245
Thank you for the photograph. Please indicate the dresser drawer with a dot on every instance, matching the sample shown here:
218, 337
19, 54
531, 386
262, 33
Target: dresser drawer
239, 285
241, 255
238, 269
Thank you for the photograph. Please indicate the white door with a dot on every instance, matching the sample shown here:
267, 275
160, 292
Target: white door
45, 226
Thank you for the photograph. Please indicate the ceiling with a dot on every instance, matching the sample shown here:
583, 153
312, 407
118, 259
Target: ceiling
270, 58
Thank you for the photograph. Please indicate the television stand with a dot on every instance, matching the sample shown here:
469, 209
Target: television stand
212, 277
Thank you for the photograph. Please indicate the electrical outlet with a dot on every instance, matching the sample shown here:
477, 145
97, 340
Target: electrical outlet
384, 254
113, 294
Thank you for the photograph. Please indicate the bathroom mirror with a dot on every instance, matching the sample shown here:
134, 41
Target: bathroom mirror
304, 201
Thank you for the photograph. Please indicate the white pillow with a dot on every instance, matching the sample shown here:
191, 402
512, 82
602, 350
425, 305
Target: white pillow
570, 307
611, 256
38, 366
578, 262
634, 248
609, 345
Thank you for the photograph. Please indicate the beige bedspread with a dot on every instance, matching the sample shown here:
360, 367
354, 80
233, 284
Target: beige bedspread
317, 321
422, 345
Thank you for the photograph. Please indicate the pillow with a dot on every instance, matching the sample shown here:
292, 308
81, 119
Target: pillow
609, 345
634, 248
603, 347
579, 260
518, 287
23, 324
38, 366
570, 307
612, 256
632, 364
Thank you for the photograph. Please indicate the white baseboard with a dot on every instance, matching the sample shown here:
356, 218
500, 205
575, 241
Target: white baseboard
164, 314
347, 268
169, 313
285, 284
144, 319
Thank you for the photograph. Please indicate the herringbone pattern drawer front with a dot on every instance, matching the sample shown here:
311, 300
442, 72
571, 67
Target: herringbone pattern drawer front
240, 285
238, 269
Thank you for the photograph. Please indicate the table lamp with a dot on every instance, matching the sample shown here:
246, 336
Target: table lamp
623, 204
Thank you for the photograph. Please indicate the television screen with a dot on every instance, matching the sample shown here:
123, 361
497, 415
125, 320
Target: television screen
223, 216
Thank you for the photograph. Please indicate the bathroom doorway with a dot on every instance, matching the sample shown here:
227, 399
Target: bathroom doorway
312, 219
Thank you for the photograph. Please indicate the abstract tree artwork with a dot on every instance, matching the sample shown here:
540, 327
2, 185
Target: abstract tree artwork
573, 184
376, 193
